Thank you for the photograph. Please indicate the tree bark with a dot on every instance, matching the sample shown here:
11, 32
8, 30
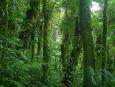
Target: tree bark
88, 45
29, 25
45, 44
27, 35
4, 16
3, 36
68, 77
104, 41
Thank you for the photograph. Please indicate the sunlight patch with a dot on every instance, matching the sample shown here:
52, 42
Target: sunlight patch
95, 7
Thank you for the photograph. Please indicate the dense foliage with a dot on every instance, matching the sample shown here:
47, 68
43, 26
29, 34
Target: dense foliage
57, 43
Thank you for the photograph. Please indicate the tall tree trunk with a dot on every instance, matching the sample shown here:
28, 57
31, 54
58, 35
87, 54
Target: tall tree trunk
45, 44
66, 40
65, 50
40, 31
68, 77
3, 36
3, 27
88, 45
104, 41
29, 23
27, 35
40, 36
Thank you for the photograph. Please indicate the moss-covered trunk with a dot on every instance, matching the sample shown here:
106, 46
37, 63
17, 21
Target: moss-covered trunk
104, 41
3, 36
3, 28
45, 44
88, 45
27, 35
68, 76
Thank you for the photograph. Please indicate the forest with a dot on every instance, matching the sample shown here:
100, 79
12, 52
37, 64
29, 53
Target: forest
57, 43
